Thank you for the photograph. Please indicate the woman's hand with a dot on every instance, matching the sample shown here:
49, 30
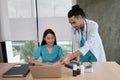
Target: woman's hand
34, 62
31, 60
37, 63
62, 58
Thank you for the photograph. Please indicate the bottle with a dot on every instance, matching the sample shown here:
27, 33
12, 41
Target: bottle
74, 70
82, 69
78, 70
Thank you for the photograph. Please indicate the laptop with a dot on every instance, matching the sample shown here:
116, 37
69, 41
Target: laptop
18, 70
45, 71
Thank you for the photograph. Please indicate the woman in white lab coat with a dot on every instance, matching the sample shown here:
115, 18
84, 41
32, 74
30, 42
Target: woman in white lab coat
87, 44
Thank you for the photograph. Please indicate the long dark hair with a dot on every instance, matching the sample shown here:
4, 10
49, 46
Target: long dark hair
48, 31
76, 11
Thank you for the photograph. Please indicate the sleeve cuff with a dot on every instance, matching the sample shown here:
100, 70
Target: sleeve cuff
83, 50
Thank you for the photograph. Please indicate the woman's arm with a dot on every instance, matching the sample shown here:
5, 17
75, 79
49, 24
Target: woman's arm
35, 62
31, 60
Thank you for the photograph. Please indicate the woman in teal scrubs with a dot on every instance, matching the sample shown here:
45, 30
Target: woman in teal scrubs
49, 51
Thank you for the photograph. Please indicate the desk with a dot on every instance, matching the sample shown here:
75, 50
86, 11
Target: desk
102, 71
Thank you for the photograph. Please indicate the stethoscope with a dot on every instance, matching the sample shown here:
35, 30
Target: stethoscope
86, 28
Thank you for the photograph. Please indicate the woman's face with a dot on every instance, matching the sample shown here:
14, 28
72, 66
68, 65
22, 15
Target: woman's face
50, 39
76, 22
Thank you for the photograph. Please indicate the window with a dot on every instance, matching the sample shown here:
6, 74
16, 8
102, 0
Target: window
20, 51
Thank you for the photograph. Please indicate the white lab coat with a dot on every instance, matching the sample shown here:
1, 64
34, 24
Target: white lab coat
92, 41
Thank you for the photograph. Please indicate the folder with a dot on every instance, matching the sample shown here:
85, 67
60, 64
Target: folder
18, 70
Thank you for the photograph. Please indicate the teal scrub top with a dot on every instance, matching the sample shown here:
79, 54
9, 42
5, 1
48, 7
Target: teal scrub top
54, 56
